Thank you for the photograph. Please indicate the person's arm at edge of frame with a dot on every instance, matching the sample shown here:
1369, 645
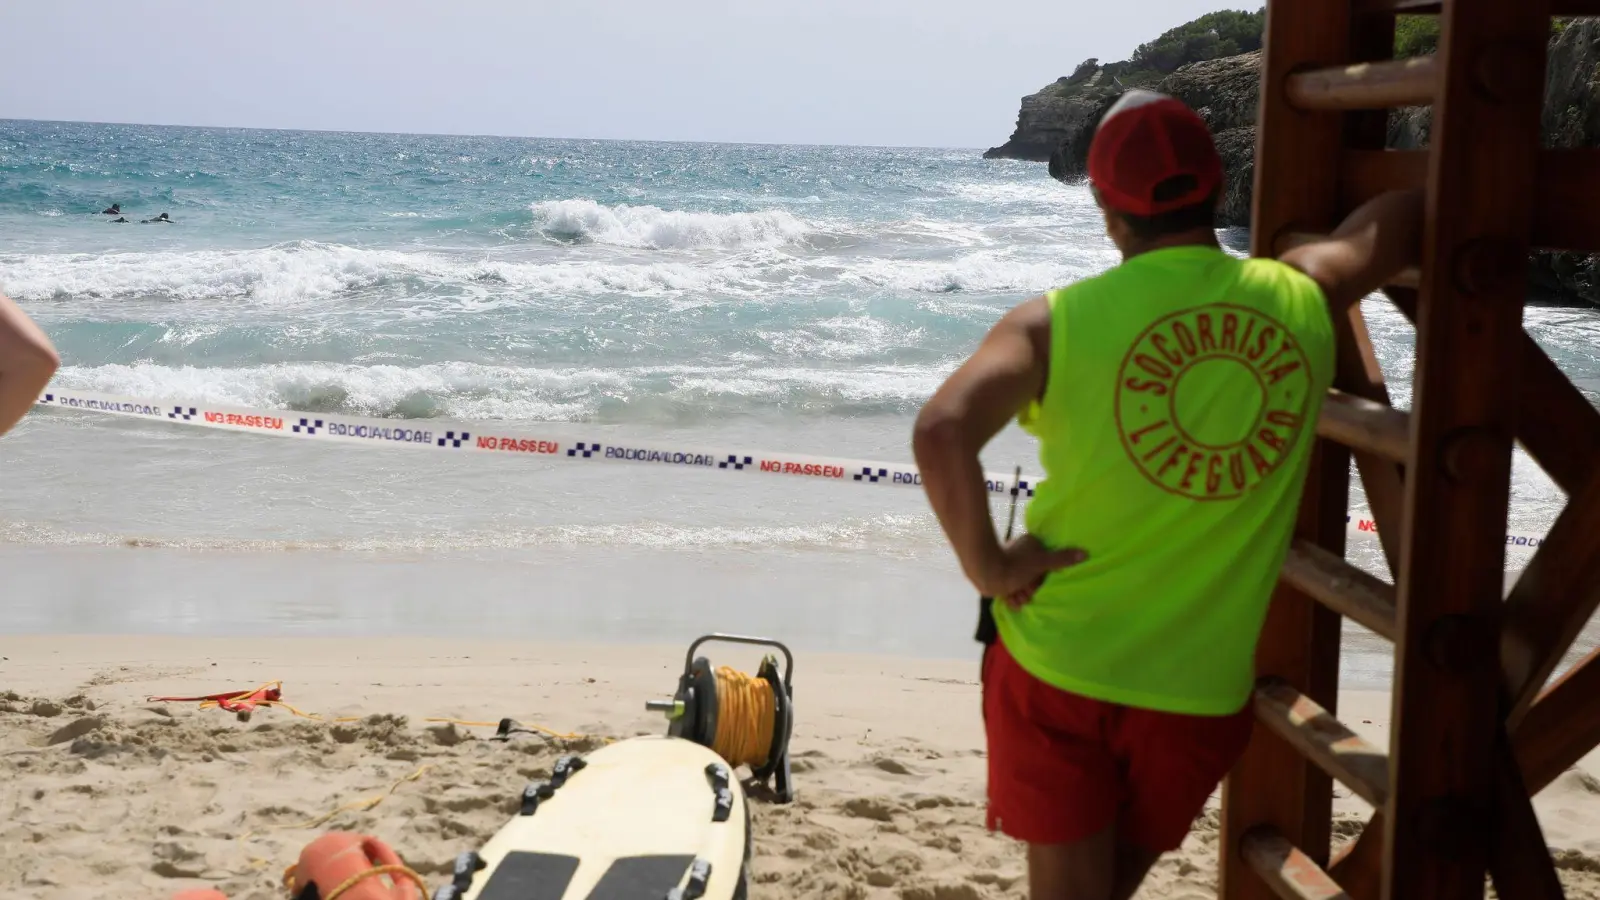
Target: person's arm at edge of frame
1374, 243
1007, 371
27, 362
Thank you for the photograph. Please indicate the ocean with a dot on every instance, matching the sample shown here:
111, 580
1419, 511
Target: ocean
804, 299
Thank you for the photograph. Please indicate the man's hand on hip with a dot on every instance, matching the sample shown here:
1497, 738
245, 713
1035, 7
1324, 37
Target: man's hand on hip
1022, 566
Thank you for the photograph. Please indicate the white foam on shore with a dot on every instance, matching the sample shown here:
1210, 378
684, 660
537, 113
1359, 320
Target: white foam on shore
476, 392
893, 535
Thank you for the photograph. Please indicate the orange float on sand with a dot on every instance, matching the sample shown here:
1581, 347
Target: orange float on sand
233, 701
200, 894
343, 866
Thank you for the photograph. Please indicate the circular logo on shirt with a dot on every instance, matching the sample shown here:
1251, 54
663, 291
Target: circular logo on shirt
1211, 400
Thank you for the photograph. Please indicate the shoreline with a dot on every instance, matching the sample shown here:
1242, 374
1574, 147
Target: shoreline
902, 607
856, 603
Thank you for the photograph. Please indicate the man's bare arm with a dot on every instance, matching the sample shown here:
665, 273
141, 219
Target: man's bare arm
27, 360
1373, 244
1007, 371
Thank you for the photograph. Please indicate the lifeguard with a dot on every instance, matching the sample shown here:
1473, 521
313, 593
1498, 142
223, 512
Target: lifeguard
1174, 397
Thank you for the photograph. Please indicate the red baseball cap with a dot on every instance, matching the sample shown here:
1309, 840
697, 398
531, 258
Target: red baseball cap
1144, 139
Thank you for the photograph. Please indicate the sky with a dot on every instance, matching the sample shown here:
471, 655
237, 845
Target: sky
932, 73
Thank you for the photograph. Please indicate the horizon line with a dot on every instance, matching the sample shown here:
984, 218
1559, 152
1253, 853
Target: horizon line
528, 137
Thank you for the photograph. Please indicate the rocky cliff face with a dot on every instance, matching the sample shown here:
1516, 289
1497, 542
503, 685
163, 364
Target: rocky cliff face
1060, 112
1572, 119
1225, 92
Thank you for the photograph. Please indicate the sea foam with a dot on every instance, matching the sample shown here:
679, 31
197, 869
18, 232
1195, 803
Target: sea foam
581, 220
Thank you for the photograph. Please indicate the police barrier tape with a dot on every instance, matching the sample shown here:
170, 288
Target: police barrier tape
490, 438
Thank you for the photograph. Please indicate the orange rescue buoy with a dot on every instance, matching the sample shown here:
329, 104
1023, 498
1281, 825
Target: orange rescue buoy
343, 866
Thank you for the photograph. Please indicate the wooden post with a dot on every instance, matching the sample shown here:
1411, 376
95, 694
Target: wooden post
1469, 327
1297, 155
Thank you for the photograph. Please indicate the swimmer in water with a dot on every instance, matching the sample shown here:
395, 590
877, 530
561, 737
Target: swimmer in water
157, 220
122, 219
115, 210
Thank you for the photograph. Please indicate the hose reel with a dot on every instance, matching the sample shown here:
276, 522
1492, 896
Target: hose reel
746, 720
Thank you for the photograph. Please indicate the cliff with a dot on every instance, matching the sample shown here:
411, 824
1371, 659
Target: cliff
1224, 92
1062, 111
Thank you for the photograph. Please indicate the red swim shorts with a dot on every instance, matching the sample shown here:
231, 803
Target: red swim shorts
1062, 767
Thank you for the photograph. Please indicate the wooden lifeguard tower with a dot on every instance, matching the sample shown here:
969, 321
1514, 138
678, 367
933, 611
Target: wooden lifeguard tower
1475, 730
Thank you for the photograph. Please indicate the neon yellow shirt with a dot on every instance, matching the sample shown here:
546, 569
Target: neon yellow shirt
1175, 431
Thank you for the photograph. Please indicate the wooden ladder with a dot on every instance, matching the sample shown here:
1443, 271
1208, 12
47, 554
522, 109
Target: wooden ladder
1473, 730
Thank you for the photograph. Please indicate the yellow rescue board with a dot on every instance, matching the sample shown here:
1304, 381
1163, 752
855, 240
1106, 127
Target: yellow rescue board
648, 818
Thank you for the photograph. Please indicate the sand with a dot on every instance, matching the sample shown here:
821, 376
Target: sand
105, 794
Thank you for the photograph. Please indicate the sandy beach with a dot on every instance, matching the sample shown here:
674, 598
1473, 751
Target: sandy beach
109, 794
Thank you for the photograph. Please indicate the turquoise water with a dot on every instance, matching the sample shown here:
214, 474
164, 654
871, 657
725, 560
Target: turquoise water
415, 276
793, 297
798, 298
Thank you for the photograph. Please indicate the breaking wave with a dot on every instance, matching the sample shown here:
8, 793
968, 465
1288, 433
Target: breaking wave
650, 227
308, 271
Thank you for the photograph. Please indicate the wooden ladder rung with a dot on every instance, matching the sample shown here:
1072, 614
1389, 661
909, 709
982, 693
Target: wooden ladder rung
1409, 277
1290, 873
1324, 740
1363, 424
1370, 85
1342, 587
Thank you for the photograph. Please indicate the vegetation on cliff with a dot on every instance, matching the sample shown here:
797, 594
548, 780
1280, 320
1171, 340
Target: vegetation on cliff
1212, 36
1055, 114
1419, 35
